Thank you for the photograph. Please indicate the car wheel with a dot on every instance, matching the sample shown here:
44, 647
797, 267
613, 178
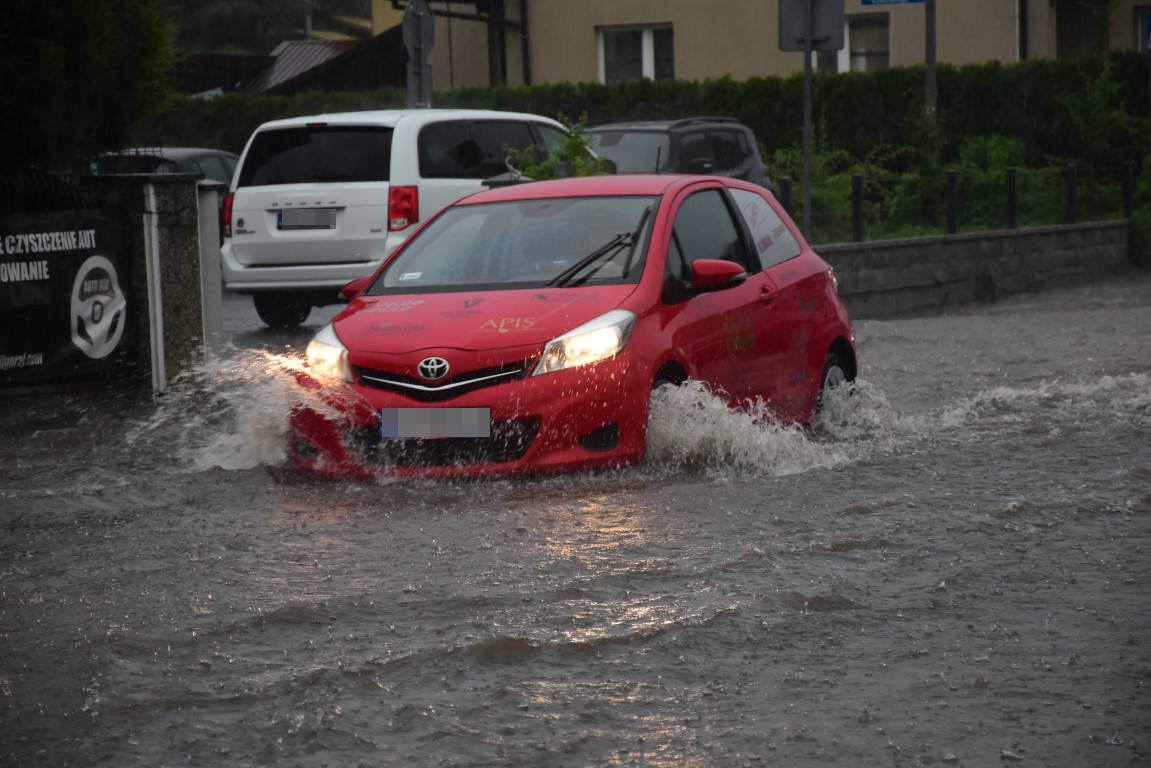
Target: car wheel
282, 311
834, 375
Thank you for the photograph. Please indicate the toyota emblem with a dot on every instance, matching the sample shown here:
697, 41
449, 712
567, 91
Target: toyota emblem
432, 368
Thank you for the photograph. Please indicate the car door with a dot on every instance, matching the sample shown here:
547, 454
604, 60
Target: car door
724, 335
794, 312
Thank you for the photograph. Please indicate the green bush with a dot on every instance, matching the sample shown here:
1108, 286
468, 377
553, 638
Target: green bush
990, 117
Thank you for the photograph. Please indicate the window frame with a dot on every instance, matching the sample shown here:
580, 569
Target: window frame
649, 61
873, 60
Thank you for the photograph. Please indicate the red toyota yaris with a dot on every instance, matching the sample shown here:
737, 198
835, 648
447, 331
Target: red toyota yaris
523, 329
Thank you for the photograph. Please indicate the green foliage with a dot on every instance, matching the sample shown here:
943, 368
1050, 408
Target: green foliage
78, 75
1105, 130
990, 117
573, 157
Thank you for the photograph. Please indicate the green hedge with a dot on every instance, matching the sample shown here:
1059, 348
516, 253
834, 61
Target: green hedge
1092, 110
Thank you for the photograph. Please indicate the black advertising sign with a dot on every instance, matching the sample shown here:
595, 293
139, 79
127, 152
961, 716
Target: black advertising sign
65, 306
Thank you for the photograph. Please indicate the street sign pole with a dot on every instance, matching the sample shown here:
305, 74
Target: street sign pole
929, 34
808, 26
419, 28
808, 43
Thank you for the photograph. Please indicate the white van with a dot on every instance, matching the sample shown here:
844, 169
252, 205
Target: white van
319, 201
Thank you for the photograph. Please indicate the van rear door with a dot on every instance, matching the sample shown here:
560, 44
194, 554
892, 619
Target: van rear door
313, 194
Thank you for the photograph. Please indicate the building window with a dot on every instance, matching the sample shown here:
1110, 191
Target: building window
630, 53
867, 42
1143, 29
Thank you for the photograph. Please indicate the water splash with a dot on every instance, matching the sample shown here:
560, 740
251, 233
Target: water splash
691, 428
229, 412
1124, 398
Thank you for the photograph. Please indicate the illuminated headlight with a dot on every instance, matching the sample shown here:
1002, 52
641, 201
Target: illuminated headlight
595, 340
327, 356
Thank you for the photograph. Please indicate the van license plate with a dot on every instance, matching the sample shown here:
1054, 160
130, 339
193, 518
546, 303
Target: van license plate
306, 218
409, 423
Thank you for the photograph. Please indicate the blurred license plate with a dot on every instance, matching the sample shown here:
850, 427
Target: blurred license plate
408, 423
307, 218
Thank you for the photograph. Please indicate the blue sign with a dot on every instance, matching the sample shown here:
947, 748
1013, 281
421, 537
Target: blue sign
892, 2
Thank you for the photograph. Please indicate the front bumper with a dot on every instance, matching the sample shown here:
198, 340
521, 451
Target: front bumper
591, 417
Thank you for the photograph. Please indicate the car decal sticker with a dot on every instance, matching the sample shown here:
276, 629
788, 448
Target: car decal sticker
393, 306
390, 328
738, 329
506, 324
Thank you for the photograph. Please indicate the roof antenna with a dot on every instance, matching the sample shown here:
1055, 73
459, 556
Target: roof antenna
658, 150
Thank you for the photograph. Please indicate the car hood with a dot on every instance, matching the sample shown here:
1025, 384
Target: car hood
471, 320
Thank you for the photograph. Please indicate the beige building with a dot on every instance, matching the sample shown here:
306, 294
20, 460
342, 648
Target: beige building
490, 42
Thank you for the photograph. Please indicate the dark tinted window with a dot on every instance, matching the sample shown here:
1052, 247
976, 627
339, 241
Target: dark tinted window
470, 149
317, 155
704, 229
633, 151
697, 155
214, 168
730, 149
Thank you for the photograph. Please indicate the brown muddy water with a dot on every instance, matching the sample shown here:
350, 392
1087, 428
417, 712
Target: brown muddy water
953, 569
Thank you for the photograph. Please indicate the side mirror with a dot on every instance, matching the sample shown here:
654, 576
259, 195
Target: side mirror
715, 274
609, 166
355, 288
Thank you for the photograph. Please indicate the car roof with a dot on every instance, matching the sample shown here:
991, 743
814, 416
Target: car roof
622, 185
390, 117
663, 125
173, 153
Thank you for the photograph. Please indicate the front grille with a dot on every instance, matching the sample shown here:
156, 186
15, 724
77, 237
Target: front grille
509, 441
425, 392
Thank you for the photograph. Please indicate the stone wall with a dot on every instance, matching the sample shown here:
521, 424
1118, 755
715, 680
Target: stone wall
169, 298
891, 277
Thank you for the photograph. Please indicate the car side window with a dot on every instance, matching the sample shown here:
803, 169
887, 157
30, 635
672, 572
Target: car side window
704, 229
494, 137
213, 168
550, 137
446, 150
697, 155
470, 149
774, 242
730, 149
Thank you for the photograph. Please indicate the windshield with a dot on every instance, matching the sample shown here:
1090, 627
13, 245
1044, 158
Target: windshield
524, 244
632, 151
317, 154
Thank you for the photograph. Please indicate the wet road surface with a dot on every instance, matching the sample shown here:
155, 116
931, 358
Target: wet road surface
953, 569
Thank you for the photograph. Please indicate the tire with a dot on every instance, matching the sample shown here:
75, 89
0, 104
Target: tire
835, 374
282, 311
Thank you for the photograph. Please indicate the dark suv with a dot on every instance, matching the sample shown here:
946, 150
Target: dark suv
720, 146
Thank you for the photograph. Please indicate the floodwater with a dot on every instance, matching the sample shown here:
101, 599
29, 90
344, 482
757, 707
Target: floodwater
953, 569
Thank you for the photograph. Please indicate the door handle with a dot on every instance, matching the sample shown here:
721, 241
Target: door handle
767, 296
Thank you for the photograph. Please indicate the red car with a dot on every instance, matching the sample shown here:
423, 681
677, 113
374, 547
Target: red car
524, 328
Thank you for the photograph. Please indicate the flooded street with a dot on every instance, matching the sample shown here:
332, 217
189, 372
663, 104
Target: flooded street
954, 568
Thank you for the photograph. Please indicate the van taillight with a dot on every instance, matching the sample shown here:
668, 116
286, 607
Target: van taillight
403, 207
227, 218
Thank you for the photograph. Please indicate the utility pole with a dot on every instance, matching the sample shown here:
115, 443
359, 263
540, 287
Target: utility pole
929, 35
809, 26
419, 28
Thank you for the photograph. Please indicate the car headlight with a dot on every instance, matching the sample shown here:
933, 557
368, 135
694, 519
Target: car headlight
327, 356
595, 340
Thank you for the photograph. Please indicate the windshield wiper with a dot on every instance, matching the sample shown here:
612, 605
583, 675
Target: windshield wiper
630, 239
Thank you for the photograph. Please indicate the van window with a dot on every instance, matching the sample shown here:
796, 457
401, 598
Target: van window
318, 155
470, 149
